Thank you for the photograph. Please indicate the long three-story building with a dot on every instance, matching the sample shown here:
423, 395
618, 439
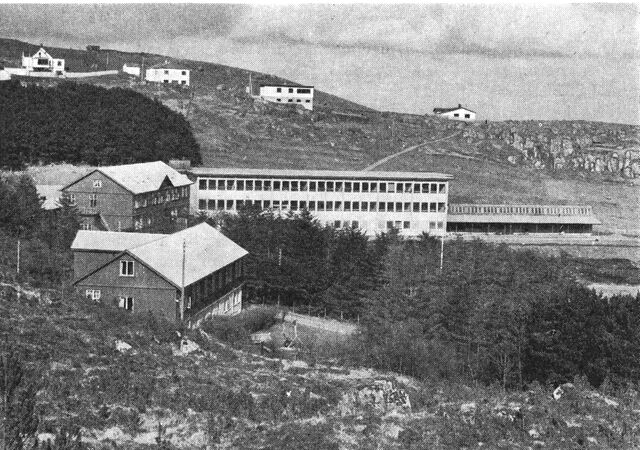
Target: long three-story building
375, 202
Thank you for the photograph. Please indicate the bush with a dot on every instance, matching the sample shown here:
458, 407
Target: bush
238, 328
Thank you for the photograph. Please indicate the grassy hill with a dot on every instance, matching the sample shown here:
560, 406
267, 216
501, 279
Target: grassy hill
154, 396
556, 162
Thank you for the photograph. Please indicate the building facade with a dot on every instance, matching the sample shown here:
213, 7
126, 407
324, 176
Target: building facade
131, 69
41, 61
512, 219
412, 202
143, 273
145, 196
290, 95
168, 73
456, 113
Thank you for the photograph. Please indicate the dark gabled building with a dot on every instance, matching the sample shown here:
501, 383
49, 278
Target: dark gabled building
145, 196
146, 273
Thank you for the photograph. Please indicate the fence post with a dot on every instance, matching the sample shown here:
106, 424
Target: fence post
325, 313
341, 316
309, 308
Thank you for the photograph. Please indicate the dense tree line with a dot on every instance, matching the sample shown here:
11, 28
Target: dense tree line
82, 123
45, 236
491, 315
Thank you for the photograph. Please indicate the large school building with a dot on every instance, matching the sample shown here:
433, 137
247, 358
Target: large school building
375, 202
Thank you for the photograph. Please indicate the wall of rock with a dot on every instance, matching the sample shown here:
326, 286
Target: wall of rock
600, 148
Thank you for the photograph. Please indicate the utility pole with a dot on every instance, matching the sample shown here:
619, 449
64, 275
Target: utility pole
18, 262
184, 253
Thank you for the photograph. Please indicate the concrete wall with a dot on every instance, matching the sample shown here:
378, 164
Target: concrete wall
289, 95
115, 203
169, 76
151, 292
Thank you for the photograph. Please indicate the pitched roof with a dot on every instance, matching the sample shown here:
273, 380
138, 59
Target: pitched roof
141, 177
304, 173
207, 250
114, 241
455, 108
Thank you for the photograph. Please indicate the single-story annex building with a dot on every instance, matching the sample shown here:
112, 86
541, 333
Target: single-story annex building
144, 272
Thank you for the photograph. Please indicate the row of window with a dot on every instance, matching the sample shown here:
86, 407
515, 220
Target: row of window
184, 72
140, 222
390, 224
531, 210
312, 206
291, 100
231, 184
298, 90
123, 302
158, 198
466, 116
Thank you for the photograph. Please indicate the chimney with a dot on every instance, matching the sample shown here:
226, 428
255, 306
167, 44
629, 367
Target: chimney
459, 105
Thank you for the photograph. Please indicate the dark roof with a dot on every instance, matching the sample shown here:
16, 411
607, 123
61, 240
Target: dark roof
446, 110
285, 85
169, 65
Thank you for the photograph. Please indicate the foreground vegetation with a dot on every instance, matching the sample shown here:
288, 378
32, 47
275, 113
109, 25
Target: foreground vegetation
81, 123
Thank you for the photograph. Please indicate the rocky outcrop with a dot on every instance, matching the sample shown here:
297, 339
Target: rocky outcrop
599, 148
381, 396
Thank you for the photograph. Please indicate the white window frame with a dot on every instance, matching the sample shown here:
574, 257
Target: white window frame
97, 183
125, 301
124, 268
94, 293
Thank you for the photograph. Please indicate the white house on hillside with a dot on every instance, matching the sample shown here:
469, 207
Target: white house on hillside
168, 73
297, 95
42, 61
131, 69
456, 113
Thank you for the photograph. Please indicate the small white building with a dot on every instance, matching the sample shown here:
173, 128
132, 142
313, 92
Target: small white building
296, 95
4, 75
169, 73
456, 113
42, 61
131, 69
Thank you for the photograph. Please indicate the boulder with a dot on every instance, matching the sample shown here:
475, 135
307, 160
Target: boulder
381, 396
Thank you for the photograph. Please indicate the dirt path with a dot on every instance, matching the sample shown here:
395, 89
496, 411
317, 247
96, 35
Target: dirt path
406, 150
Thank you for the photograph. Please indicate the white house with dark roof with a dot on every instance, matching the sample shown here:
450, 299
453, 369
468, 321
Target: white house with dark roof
42, 61
189, 275
168, 73
456, 113
143, 196
287, 94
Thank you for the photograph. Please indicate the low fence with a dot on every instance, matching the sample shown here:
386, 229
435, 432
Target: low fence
27, 73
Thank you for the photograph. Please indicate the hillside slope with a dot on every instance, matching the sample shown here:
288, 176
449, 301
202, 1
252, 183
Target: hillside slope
556, 162
156, 394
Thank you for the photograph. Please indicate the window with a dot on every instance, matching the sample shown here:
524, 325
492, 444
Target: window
407, 207
320, 206
347, 206
329, 186
304, 186
329, 206
339, 206
348, 186
126, 303
290, 100
442, 188
391, 187
240, 185
307, 101
276, 185
312, 206
93, 294
382, 207
383, 187
355, 224
336, 223
398, 206
312, 186
416, 207
424, 207
389, 225
86, 226
456, 115
93, 200
202, 204
211, 205
372, 206
267, 185
355, 206
278, 90
441, 207
290, 91
278, 99
184, 72
229, 204
294, 205
285, 185
258, 185
126, 268
365, 187
432, 207
221, 185
71, 198
390, 207
231, 185
406, 224
440, 225
202, 185
299, 101
304, 91
97, 183
365, 206
220, 204
294, 186
408, 187
166, 72
399, 187
467, 116
59, 63
356, 187
249, 185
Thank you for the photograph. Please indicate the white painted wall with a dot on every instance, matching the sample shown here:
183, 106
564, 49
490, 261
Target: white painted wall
131, 70
41, 60
459, 114
160, 75
288, 95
